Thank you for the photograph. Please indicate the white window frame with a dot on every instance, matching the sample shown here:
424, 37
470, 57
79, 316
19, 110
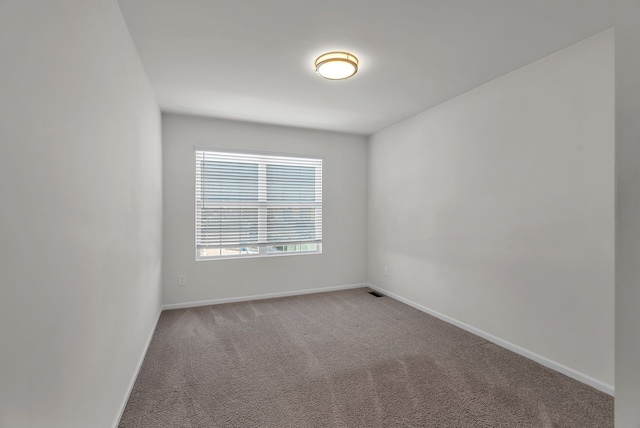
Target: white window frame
263, 159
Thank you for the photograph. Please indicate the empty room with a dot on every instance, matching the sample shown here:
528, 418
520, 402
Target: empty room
319, 214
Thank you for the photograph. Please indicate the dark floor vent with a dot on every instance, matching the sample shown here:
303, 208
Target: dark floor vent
376, 294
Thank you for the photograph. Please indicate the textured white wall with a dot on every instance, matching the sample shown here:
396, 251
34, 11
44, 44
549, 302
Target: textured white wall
496, 208
343, 260
627, 213
80, 213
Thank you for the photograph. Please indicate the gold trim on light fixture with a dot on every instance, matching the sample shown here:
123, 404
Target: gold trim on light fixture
336, 65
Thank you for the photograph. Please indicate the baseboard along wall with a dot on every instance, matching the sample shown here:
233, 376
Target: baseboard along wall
135, 374
260, 296
553, 365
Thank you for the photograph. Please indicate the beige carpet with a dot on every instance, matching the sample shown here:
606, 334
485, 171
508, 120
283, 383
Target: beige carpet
344, 359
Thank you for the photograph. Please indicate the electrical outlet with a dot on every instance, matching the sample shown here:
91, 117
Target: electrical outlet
386, 271
182, 279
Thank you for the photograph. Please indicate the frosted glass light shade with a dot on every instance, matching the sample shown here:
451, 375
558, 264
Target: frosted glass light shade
336, 65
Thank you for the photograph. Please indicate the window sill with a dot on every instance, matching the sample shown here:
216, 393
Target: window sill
258, 256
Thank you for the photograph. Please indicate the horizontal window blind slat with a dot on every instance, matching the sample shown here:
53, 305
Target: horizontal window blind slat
256, 158
269, 244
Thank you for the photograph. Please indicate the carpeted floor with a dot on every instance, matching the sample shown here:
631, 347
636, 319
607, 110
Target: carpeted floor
344, 359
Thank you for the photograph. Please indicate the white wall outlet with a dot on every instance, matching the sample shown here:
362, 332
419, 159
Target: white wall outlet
182, 279
386, 271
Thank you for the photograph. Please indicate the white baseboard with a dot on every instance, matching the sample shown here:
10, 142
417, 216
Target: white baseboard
581, 377
259, 297
135, 374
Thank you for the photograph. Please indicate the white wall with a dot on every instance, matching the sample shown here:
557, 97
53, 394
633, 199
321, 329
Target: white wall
343, 260
627, 214
496, 208
80, 213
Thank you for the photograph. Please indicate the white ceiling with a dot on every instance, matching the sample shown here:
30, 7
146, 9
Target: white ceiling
253, 59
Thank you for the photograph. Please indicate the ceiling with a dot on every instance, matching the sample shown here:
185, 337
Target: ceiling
253, 59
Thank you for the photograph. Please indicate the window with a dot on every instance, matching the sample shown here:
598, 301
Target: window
254, 205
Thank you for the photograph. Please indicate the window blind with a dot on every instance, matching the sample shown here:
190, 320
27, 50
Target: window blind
257, 204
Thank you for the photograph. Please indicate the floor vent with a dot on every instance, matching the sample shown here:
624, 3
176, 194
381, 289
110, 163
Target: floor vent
376, 294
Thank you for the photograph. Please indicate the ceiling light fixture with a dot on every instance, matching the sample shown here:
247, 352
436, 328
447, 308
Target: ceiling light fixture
336, 65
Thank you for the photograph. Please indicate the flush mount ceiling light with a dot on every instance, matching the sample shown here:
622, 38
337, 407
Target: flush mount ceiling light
336, 65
